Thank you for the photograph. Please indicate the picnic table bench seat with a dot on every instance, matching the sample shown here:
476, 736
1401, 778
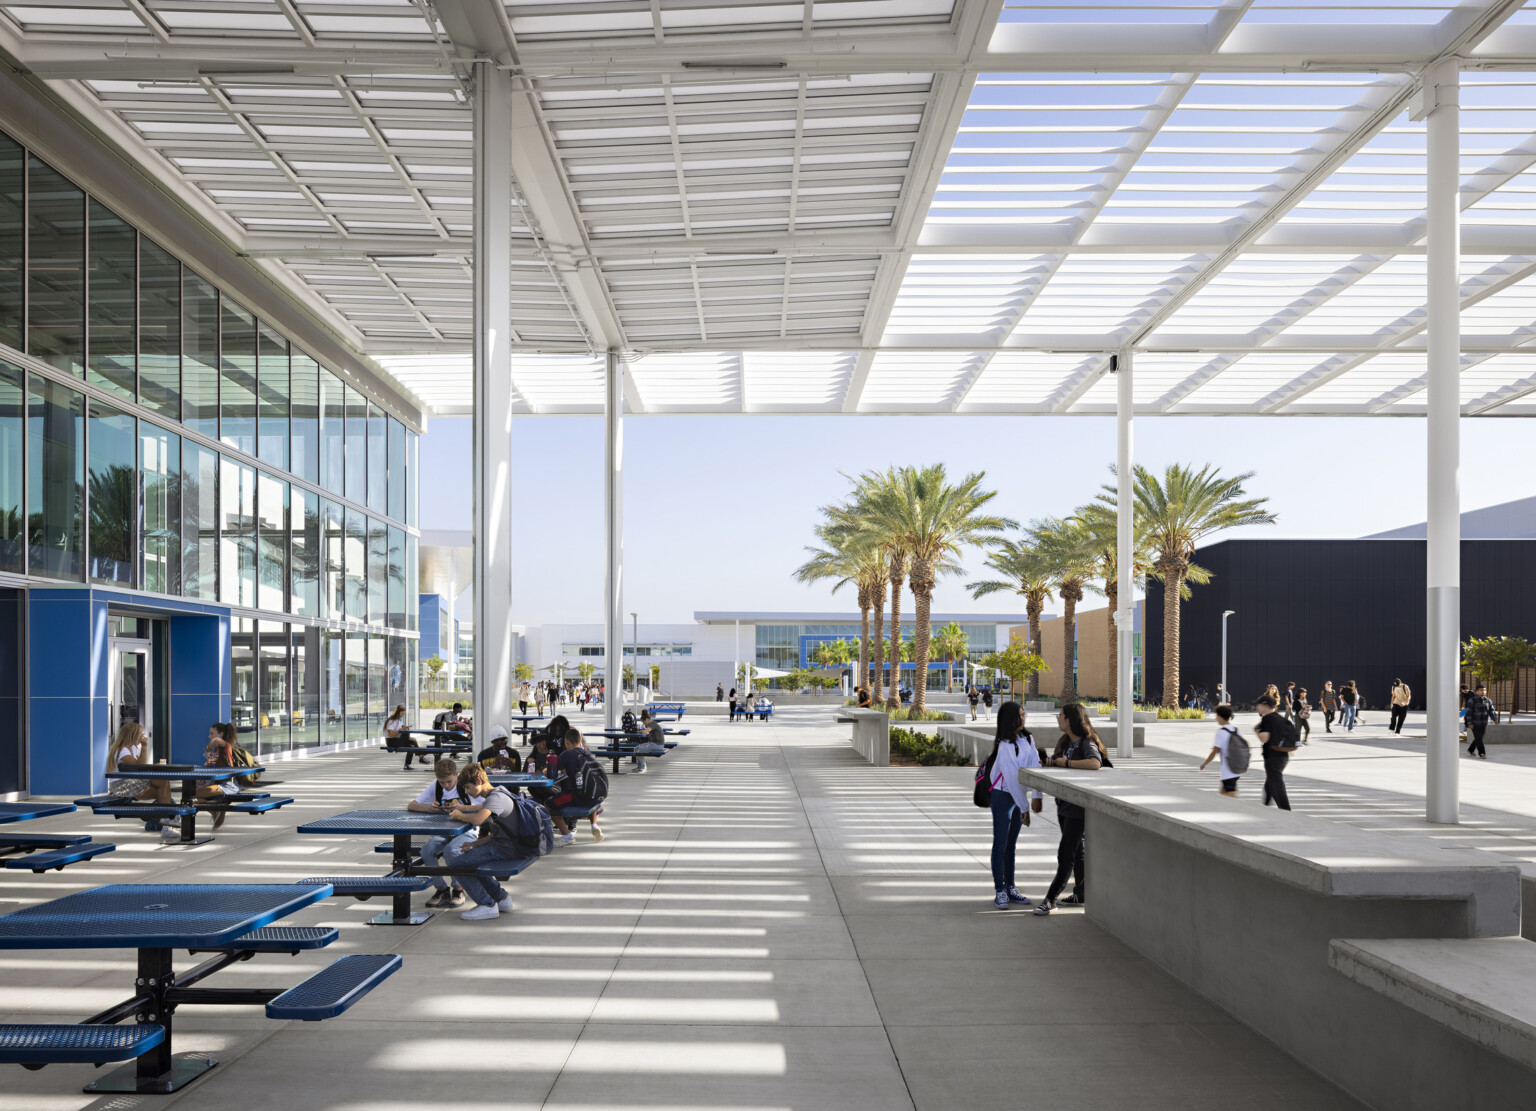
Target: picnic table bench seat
366, 887
499, 869
58, 859
42, 840
253, 806
577, 810
279, 939
428, 750
93, 801
37, 1044
146, 810
334, 988
389, 847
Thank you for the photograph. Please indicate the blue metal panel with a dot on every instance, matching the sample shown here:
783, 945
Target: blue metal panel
63, 723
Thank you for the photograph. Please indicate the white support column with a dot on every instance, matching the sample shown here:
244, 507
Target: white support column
613, 539
1443, 531
1125, 602
494, 646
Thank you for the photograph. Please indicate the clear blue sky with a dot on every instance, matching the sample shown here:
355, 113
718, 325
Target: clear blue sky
717, 510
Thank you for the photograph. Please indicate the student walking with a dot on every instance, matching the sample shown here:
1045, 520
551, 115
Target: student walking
1013, 749
973, 696
986, 703
719, 693
1078, 748
733, 703
1480, 711
522, 698
1278, 738
1230, 748
1347, 706
1287, 698
1401, 696
1303, 715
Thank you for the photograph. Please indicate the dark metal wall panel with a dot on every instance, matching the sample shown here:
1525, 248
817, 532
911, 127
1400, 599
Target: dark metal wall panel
1310, 610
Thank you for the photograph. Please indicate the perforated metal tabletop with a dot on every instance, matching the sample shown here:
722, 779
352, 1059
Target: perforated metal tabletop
518, 779
154, 916
212, 775
21, 811
387, 823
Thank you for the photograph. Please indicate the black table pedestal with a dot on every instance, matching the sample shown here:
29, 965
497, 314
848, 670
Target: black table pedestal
401, 913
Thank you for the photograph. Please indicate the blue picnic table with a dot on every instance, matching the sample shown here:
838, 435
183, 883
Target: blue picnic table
190, 776
518, 779
230, 920
42, 851
400, 826
25, 811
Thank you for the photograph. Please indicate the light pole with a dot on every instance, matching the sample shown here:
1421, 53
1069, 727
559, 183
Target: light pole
635, 617
1226, 695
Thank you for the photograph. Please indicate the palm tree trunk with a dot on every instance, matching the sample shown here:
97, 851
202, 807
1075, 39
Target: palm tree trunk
863, 632
922, 594
1068, 646
1173, 583
1112, 594
1033, 608
893, 657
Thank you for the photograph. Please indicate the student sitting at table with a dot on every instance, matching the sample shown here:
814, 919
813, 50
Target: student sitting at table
219, 753
440, 798
555, 731
496, 809
499, 756
655, 743
131, 746
574, 771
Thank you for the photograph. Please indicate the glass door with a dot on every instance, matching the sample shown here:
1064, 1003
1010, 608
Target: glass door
130, 694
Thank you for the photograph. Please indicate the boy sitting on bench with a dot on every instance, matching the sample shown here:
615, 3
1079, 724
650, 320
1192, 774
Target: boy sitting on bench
440, 798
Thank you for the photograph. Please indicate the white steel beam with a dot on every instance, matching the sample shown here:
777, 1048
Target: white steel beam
1124, 616
613, 539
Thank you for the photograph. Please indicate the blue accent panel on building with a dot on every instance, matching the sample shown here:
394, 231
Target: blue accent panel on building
11, 671
65, 731
199, 681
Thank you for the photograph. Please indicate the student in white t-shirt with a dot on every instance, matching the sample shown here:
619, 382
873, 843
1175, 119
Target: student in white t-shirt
1221, 746
440, 798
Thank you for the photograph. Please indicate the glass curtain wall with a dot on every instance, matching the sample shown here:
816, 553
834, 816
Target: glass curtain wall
355, 485
12, 468
272, 686
333, 692
159, 509
304, 422
356, 662
305, 659
199, 521
242, 679
55, 268
333, 592
159, 330
113, 288
112, 495
378, 456
273, 390
304, 554
378, 684
271, 543
378, 571
333, 433
396, 615
13, 242
199, 355
396, 470
237, 384
356, 566
237, 533
55, 479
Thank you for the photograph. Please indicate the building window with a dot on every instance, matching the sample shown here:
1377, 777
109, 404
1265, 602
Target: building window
378, 460
55, 268
159, 330
355, 484
272, 687
304, 667
396, 578
272, 543
160, 509
237, 364
242, 677
396, 469
333, 423
304, 554
13, 241
357, 566
199, 355
237, 533
333, 698
333, 593
305, 420
412, 583
378, 572
272, 387
112, 494
199, 521
55, 478
12, 440
113, 287
412, 456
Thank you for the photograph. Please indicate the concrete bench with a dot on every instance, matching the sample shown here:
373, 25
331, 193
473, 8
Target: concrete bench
1481, 988
335, 988
1241, 903
85, 1043
59, 859
871, 737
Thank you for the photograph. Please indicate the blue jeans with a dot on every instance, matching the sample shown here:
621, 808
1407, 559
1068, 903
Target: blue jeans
485, 891
1007, 819
1350, 713
439, 849
650, 748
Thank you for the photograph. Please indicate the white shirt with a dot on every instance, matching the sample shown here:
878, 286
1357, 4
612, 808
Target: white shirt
429, 797
1223, 738
1005, 769
130, 754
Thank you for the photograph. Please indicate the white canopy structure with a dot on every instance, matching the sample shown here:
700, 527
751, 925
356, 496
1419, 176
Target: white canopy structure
1068, 207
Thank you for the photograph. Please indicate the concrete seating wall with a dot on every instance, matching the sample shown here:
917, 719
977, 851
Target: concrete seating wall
1243, 904
871, 737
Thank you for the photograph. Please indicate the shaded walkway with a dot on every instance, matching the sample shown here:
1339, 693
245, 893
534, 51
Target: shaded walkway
770, 925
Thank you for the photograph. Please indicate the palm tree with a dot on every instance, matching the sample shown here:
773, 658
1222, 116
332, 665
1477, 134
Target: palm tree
865, 519
930, 520
1100, 524
951, 643
845, 555
1180, 510
1025, 572
1065, 545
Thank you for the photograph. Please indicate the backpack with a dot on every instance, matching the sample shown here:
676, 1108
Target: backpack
1238, 752
240, 758
529, 826
439, 721
591, 785
982, 796
1285, 740
629, 723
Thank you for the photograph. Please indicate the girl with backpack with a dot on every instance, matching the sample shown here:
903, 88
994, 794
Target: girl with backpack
219, 753
510, 829
1079, 748
1013, 749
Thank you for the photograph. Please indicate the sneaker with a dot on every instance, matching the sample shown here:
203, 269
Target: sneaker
567, 839
1045, 906
169, 833
480, 914
1001, 900
439, 897
597, 834
1071, 901
1015, 897
505, 905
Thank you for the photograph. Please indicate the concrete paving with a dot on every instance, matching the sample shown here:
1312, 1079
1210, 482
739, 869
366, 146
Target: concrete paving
770, 924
